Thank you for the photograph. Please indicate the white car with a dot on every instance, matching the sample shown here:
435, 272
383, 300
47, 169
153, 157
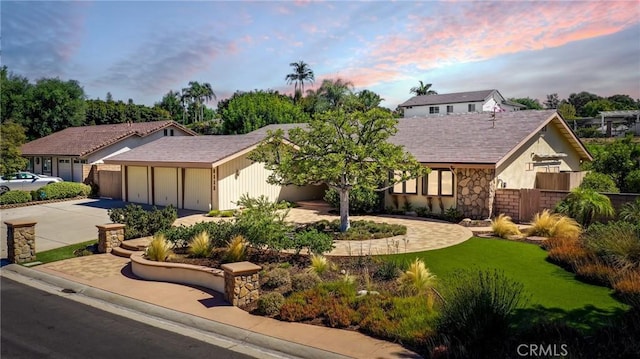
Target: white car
25, 181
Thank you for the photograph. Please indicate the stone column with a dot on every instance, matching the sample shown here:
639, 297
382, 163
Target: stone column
241, 282
109, 236
21, 240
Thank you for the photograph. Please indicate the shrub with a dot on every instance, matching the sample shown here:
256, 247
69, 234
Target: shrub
12, 197
315, 242
213, 213
227, 213
302, 306
453, 215
60, 190
219, 233
503, 227
361, 200
304, 281
277, 278
388, 270
270, 303
584, 205
478, 308
236, 249
547, 224
627, 287
141, 223
417, 279
599, 182
616, 243
262, 223
159, 249
200, 245
319, 264
338, 313
423, 211
632, 182
630, 212
596, 272
569, 253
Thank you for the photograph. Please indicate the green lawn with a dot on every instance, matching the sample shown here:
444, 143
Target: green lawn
62, 253
554, 292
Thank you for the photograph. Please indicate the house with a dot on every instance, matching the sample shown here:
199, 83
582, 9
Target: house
200, 173
64, 153
474, 154
459, 102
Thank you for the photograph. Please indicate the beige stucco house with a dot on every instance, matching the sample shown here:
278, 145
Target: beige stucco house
64, 153
200, 173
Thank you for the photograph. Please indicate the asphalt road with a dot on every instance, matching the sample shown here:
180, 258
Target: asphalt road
37, 324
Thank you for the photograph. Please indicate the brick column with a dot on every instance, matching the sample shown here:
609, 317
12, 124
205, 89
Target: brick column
241, 282
109, 236
21, 240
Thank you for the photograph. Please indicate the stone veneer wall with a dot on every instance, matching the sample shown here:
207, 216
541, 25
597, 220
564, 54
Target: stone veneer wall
473, 192
241, 282
110, 236
21, 240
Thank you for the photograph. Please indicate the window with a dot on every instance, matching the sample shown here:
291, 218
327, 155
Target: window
407, 187
63, 161
438, 183
434, 109
46, 165
166, 132
171, 132
79, 161
30, 165
472, 107
449, 108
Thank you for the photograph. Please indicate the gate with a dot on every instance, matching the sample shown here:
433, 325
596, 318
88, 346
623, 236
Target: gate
529, 204
110, 184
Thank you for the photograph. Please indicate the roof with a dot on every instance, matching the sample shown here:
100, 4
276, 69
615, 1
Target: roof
457, 97
83, 140
198, 151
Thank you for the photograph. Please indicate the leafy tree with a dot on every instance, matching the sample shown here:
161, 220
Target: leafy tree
246, 112
599, 182
301, 73
567, 111
422, 89
13, 96
632, 181
623, 102
593, 108
368, 100
552, 101
332, 94
171, 102
578, 100
617, 159
341, 150
12, 136
100, 112
584, 205
532, 104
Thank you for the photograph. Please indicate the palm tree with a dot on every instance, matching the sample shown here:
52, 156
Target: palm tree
333, 93
422, 89
585, 205
301, 73
197, 94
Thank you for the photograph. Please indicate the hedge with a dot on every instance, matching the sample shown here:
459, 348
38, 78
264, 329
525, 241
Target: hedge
60, 190
12, 197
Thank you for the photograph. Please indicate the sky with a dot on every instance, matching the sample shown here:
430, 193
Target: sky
143, 49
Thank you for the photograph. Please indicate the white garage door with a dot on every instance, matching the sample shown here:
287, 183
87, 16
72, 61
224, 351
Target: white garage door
165, 186
197, 189
64, 169
137, 188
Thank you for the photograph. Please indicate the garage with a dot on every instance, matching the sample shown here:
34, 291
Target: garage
64, 169
137, 185
197, 189
165, 186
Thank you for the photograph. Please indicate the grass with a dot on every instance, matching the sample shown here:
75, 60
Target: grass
554, 292
62, 253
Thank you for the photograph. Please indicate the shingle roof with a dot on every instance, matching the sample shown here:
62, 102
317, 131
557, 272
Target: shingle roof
457, 97
183, 149
83, 140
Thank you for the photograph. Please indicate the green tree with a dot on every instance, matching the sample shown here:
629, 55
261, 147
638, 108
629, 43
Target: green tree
342, 150
368, 100
593, 108
333, 94
584, 205
552, 101
623, 102
532, 104
172, 103
197, 94
301, 73
12, 137
567, 111
13, 95
632, 181
422, 89
599, 182
617, 159
578, 100
248, 111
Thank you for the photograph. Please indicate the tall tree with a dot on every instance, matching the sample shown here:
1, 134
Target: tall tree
332, 94
578, 100
552, 101
13, 92
13, 137
342, 150
301, 73
532, 104
567, 111
197, 94
422, 89
171, 102
593, 108
368, 99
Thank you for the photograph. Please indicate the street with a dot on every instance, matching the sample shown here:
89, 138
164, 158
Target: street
37, 324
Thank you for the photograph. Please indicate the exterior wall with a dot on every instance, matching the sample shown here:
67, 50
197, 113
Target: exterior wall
472, 191
519, 171
241, 175
435, 204
129, 143
419, 111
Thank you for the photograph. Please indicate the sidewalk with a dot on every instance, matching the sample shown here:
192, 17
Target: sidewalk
112, 274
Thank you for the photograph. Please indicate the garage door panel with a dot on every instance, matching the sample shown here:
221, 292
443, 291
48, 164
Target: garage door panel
137, 187
64, 169
165, 187
197, 189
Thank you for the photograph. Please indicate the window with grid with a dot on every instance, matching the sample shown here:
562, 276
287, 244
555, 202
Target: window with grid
434, 109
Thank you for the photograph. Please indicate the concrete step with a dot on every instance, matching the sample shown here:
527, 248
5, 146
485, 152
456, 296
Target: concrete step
138, 244
122, 252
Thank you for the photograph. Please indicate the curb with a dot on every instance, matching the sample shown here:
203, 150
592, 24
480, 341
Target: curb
189, 320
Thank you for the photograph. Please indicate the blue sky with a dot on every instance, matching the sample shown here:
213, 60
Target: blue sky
143, 49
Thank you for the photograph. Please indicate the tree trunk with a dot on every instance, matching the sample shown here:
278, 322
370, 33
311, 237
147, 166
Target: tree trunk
344, 210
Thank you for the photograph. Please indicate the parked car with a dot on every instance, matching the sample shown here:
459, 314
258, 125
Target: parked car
25, 181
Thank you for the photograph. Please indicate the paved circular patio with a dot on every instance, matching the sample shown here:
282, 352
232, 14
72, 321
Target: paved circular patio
422, 234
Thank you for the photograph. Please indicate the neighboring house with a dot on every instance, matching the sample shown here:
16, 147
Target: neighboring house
201, 173
64, 153
456, 103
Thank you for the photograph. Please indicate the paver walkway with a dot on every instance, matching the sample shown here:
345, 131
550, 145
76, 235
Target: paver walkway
422, 234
